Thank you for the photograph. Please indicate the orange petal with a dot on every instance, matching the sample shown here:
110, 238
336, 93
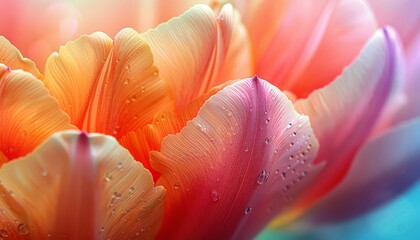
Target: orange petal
355, 100
164, 123
190, 51
294, 50
28, 113
240, 161
105, 86
79, 187
10, 56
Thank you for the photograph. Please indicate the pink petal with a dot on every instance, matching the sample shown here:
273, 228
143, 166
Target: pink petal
343, 113
403, 15
295, 41
383, 169
239, 163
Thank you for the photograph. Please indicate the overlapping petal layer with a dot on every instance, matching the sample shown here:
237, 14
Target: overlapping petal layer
199, 50
108, 86
345, 111
79, 187
28, 113
305, 44
10, 56
236, 165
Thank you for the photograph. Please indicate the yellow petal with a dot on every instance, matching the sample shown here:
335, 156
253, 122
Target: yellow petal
10, 56
28, 113
79, 187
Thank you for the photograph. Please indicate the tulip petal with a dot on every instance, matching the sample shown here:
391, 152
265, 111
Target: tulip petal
345, 111
383, 169
105, 86
164, 123
10, 56
292, 51
190, 51
79, 187
389, 12
28, 113
241, 161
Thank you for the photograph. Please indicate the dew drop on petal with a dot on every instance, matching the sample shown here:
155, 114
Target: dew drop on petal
214, 195
120, 166
262, 177
248, 210
267, 140
44, 173
4, 233
23, 229
116, 195
246, 149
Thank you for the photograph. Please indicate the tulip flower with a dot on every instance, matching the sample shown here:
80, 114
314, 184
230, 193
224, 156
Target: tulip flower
227, 156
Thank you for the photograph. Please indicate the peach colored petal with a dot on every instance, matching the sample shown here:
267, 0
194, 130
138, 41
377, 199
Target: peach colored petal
10, 56
28, 113
190, 51
345, 111
236, 165
295, 41
79, 187
164, 123
108, 86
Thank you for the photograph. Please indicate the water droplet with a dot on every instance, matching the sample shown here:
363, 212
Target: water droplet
116, 130
248, 210
265, 112
130, 191
120, 166
118, 60
127, 81
23, 229
214, 195
289, 125
116, 195
291, 157
107, 177
176, 186
283, 175
44, 173
267, 120
267, 140
262, 177
246, 149
294, 133
10, 149
128, 66
4, 233
143, 89
230, 114
292, 143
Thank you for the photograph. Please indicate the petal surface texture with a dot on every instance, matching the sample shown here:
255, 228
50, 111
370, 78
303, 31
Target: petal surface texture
28, 113
77, 186
345, 111
107, 86
240, 162
294, 51
200, 50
